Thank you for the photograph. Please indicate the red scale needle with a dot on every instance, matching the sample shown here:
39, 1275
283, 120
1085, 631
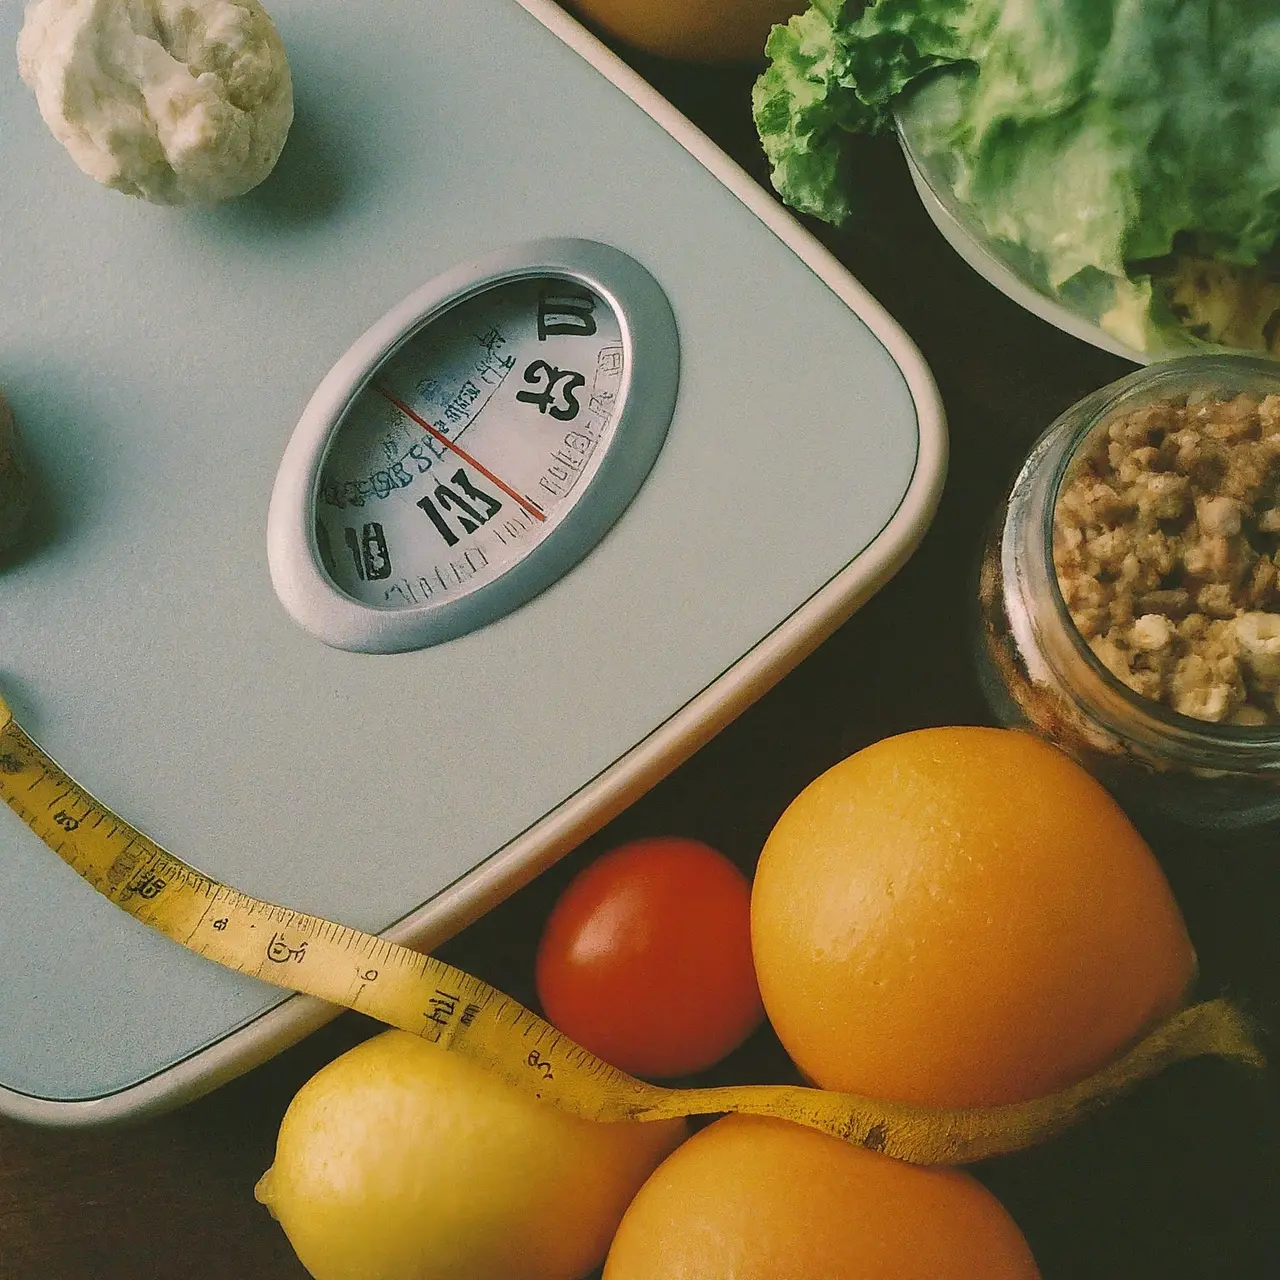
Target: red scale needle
527, 503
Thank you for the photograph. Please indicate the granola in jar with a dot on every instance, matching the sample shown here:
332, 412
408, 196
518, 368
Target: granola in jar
1129, 598
1166, 543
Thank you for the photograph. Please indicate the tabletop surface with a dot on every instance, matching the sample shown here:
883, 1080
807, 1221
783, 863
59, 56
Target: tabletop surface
1181, 1180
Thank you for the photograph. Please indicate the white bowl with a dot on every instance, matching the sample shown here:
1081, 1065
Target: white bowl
1013, 271
975, 251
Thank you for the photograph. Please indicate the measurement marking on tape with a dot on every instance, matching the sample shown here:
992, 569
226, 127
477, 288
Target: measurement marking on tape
462, 1014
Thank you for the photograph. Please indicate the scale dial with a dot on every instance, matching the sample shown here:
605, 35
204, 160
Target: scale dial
473, 446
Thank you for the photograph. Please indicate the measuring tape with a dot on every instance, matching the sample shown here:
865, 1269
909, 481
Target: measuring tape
464, 1015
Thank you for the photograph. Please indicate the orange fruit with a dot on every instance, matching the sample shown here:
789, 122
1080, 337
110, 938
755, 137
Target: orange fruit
696, 30
757, 1199
960, 917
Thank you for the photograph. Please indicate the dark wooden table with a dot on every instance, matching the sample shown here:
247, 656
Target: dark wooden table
1180, 1181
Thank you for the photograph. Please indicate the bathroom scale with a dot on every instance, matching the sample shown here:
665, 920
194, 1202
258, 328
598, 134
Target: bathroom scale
402, 521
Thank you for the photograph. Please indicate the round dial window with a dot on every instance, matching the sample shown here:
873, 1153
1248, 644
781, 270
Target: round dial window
473, 446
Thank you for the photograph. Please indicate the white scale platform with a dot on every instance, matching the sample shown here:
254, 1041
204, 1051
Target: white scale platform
158, 360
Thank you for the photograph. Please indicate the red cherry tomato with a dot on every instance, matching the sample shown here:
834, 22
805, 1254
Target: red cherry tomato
646, 958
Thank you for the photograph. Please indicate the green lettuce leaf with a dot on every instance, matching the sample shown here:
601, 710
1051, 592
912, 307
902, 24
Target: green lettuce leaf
1084, 136
836, 70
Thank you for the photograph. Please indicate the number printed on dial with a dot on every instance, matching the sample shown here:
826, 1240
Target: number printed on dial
463, 451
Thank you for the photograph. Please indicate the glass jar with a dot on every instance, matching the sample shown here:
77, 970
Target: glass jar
1040, 673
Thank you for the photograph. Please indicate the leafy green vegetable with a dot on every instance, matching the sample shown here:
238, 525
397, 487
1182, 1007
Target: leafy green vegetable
836, 69
1093, 139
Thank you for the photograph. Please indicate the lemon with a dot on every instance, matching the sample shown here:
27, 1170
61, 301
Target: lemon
401, 1161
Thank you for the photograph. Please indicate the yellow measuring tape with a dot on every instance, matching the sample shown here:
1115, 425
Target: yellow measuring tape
458, 1012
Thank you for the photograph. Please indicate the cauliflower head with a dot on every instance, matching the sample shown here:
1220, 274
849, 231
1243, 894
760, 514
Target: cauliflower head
177, 101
